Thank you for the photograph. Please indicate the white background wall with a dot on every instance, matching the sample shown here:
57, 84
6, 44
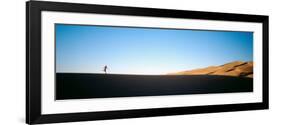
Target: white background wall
12, 62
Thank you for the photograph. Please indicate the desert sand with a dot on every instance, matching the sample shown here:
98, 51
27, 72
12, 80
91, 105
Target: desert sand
83, 86
236, 68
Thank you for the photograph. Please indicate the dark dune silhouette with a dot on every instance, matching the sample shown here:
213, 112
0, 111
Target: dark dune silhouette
82, 86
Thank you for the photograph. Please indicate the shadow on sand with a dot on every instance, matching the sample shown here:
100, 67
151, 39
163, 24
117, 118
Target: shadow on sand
82, 86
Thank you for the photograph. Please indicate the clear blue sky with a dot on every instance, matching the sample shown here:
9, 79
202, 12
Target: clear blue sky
86, 49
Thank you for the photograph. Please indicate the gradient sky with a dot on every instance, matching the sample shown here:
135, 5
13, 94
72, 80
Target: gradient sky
86, 49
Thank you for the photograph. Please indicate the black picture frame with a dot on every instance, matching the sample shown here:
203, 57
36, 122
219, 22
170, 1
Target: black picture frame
33, 61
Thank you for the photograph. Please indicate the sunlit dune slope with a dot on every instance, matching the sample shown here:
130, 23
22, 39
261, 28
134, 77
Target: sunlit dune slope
236, 68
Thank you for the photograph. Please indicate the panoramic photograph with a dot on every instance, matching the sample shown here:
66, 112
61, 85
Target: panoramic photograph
112, 61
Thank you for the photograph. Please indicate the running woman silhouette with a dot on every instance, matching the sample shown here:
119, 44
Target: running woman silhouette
105, 69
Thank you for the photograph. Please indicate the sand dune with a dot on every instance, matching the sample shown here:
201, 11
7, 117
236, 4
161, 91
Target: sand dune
236, 68
83, 86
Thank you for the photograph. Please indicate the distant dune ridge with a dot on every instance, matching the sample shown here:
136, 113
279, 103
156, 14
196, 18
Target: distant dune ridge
236, 68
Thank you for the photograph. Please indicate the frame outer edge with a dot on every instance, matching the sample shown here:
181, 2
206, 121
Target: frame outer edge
266, 62
27, 118
33, 62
